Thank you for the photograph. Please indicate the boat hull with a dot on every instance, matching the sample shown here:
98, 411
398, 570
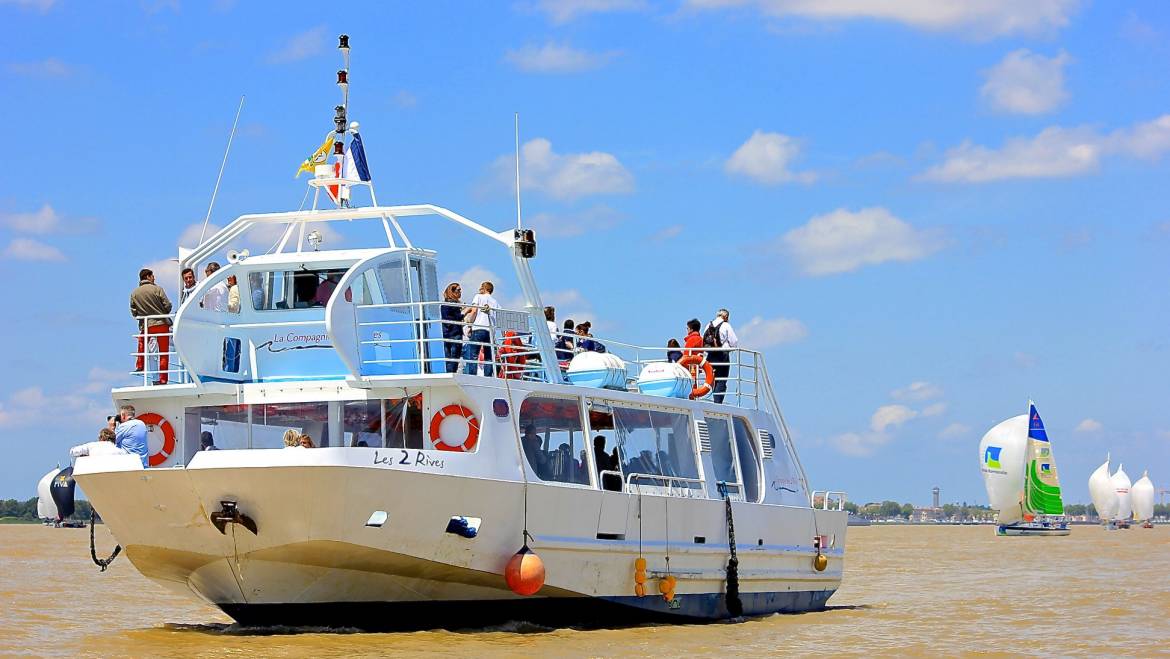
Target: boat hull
315, 561
1032, 530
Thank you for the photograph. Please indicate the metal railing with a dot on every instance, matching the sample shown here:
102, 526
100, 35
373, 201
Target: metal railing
835, 498
160, 362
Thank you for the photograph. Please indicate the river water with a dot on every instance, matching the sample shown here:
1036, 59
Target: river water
908, 590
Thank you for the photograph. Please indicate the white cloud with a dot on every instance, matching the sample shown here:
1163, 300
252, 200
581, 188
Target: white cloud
934, 409
300, 46
564, 11
917, 391
46, 220
859, 444
31, 406
1026, 83
954, 431
404, 99
50, 67
890, 416
767, 158
759, 333
166, 274
673, 231
563, 176
597, 218
557, 58
843, 241
1089, 425
27, 249
101, 380
975, 19
1055, 152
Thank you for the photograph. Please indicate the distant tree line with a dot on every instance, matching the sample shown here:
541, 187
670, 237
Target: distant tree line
27, 510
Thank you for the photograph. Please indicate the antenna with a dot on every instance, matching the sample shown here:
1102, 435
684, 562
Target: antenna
517, 171
223, 164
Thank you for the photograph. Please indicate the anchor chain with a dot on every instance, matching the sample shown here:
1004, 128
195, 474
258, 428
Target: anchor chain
734, 604
100, 562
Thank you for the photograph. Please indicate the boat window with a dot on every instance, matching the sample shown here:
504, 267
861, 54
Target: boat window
269, 423
554, 439
722, 451
361, 421
288, 289
603, 445
227, 426
404, 422
745, 448
656, 443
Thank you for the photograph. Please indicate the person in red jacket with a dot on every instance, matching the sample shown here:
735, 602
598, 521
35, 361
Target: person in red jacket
693, 338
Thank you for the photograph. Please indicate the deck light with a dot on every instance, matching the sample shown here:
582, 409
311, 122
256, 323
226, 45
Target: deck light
343, 46
339, 118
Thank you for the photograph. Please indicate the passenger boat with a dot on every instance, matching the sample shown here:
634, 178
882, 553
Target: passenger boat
447, 499
1019, 472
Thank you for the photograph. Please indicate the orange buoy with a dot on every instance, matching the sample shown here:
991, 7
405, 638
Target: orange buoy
1028, 517
639, 590
525, 572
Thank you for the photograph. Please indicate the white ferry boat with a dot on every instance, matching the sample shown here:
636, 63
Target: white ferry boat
640, 499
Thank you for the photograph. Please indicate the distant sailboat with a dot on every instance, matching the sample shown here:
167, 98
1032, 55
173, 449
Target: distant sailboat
1142, 496
1104, 495
1121, 485
46, 509
1019, 471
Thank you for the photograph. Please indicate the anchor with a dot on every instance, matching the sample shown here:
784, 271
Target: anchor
228, 513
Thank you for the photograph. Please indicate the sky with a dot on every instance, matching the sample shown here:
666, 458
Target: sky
922, 213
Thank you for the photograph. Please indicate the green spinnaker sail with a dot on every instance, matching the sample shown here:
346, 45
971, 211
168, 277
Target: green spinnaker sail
1041, 483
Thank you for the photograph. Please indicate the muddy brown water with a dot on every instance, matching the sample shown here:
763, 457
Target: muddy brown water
908, 590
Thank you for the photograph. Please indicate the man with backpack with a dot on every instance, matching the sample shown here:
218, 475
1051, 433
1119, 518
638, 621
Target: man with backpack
720, 334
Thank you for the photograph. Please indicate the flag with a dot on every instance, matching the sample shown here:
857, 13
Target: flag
1035, 425
319, 157
356, 168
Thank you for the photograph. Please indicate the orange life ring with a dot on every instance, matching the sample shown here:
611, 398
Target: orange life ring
472, 429
168, 447
691, 363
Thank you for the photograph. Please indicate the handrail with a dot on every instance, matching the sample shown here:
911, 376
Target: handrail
170, 357
826, 496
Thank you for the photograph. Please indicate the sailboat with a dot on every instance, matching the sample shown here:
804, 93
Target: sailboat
1142, 496
1019, 471
1104, 495
1121, 485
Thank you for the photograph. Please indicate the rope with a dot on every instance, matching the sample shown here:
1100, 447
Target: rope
102, 563
734, 605
515, 416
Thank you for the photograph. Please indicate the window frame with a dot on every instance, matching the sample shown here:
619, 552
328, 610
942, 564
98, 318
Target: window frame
586, 433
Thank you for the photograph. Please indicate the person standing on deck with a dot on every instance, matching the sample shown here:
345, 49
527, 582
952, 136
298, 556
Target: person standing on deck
131, 435
480, 316
188, 276
452, 315
693, 339
720, 334
215, 299
149, 299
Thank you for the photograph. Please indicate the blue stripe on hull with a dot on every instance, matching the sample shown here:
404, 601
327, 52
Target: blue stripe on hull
587, 612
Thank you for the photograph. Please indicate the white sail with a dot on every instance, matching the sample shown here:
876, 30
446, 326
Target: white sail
1121, 485
1142, 496
1001, 459
46, 509
1102, 492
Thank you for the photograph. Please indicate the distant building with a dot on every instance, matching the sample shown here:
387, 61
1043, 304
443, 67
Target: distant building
935, 492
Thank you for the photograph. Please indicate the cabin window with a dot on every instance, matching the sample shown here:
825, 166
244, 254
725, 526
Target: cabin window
656, 447
554, 439
271, 421
293, 289
745, 447
604, 446
226, 427
361, 423
723, 452
404, 422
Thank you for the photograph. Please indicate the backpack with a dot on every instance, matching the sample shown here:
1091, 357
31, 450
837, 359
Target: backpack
711, 337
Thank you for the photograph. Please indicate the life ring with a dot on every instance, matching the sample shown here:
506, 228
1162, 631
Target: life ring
691, 363
168, 447
472, 429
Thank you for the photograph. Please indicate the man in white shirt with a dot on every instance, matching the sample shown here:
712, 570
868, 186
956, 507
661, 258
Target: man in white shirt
103, 446
481, 315
720, 363
215, 299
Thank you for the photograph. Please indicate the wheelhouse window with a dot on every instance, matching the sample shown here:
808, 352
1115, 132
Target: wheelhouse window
745, 447
656, 447
293, 289
554, 439
723, 453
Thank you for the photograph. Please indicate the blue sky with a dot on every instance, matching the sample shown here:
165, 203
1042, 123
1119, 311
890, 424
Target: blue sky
923, 213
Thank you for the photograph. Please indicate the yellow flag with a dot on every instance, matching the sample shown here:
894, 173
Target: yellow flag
318, 158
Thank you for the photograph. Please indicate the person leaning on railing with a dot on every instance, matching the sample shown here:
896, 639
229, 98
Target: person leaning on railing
149, 304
